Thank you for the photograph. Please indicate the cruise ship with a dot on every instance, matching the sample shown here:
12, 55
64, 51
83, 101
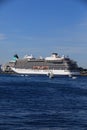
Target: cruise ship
51, 66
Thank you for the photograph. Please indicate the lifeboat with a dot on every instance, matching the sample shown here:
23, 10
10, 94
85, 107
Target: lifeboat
40, 67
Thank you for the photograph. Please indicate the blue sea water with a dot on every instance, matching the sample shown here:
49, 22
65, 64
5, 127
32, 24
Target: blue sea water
40, 103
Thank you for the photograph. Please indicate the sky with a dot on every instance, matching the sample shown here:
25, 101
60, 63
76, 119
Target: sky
40, 27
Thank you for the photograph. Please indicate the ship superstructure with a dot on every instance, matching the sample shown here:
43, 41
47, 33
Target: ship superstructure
53, 65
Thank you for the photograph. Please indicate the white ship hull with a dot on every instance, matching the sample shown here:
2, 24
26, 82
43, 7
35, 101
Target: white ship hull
44, 72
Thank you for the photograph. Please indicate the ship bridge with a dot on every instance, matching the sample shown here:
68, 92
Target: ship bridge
54, 56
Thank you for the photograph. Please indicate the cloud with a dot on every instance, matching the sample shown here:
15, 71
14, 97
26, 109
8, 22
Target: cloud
27, 38
83, 24
2, 37
72, 49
